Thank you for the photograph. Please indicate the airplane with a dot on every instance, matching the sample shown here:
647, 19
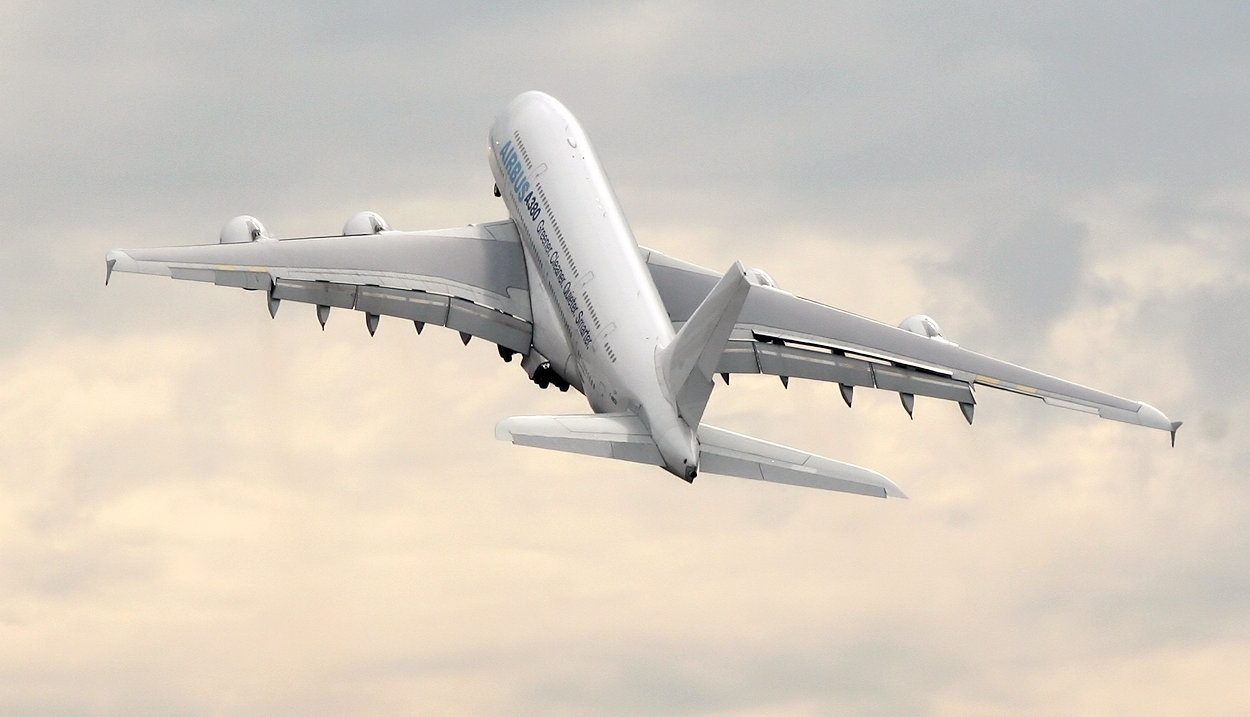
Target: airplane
563, 284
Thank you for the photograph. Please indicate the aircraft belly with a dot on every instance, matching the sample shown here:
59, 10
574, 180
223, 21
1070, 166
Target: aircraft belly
550, 337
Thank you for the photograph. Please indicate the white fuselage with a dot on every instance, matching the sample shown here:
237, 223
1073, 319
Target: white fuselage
591, 277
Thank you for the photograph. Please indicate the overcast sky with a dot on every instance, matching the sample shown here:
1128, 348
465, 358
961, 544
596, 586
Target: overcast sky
204, 511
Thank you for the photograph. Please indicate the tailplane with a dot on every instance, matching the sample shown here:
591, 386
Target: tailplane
608, 435
623, 436
733, 454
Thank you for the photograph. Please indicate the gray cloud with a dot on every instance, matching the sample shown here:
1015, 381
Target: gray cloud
1027, 275
1214, 321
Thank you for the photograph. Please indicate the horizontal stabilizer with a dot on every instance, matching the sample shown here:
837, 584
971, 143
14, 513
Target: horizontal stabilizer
733, 454
608, 435
623, 436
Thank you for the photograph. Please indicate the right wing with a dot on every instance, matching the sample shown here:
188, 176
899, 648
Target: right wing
784, 335
471, 279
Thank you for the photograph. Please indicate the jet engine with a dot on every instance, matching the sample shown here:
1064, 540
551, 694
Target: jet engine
242, 230
926, 327
365, 223
762, 277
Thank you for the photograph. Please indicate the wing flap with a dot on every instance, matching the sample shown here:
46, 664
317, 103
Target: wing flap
918, 383
780, 359
321, 293
777, 359
412, 305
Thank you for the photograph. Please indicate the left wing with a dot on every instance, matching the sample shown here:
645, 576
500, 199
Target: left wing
471, 279
784, 335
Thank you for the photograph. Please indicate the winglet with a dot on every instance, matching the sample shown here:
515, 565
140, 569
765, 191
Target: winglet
1175, 427
1145, 415
117, 260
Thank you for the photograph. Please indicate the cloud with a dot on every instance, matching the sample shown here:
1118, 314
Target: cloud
1028, 275
208, 511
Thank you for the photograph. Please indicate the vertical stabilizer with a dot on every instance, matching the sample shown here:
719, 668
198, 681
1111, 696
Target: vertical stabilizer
688, 363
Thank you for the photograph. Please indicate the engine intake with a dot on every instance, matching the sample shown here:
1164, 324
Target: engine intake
762, 277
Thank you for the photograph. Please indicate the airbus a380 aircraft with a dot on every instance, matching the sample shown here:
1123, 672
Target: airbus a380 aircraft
563, 284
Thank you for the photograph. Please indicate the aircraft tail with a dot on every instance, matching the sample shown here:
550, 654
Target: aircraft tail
623, 436
689, 361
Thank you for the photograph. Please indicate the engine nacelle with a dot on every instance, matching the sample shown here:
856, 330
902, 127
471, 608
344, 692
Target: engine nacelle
762, 277
926, 327
241, 230
365, 223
